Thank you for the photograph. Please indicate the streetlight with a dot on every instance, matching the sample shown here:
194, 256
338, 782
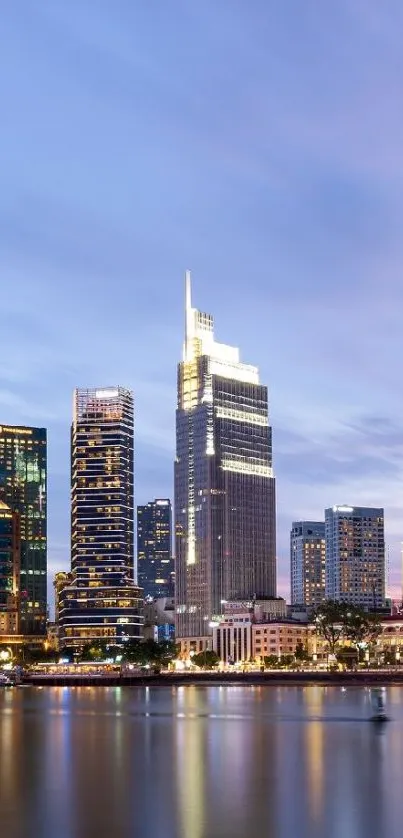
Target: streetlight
5, 655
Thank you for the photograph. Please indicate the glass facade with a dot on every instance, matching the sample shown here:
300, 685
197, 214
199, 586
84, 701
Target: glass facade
154, 549
102, 601
355, 556
23, 473
224, 485
307, 557
9, 571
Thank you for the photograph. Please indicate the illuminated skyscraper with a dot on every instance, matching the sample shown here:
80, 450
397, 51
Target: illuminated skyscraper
154, 549
23, 489
307, 554
224, 485
9, 571
102, 601
355, 555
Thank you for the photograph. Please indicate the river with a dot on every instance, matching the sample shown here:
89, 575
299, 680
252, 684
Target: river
199, 762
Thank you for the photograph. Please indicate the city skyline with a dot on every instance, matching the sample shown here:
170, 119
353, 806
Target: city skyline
282, 192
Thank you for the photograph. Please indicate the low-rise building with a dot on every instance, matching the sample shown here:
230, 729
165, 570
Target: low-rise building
189, 646
278, 638
232, 638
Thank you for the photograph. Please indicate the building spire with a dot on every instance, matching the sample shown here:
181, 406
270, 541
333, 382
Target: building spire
188, 291
189, 319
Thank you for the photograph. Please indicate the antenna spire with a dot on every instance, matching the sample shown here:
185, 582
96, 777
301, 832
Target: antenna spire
188, 291
189, 319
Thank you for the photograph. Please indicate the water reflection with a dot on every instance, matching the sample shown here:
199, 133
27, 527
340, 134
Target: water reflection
199, 763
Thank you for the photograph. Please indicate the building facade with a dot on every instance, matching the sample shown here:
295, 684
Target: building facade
224, 484
61, 580
307, 560
155, 567
159, 619
102, 602
10, 558
355, 556
23, 482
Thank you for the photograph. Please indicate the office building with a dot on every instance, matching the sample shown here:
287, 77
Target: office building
102, 602
355, 556
9, 571
154, 549
23, 472
307, 557
224, 484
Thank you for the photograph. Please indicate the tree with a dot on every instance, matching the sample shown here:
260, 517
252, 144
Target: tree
286, 660
206, 659
271, 661
149, 652
361, 628
301, 653
330, 622
337, 621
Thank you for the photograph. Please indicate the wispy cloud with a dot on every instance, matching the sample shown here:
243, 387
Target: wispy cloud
262, 148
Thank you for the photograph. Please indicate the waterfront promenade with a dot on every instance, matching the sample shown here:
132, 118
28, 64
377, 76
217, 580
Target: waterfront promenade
273, 678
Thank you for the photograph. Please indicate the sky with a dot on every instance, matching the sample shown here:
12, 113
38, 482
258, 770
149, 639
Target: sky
260, 145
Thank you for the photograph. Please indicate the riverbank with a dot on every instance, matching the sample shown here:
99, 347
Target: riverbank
263, 679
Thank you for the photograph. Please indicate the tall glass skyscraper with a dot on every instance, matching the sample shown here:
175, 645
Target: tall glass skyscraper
154, 548
224, 485
10, 543
23, 489
102, 601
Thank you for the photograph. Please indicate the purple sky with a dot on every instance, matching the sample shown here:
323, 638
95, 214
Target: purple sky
257, 143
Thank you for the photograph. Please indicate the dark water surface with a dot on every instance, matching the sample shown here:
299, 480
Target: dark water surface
195, 762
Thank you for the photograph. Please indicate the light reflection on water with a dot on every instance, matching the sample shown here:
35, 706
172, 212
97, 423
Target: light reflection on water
199, 762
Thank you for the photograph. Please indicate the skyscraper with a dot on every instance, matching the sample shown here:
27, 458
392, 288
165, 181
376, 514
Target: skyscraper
23, 488
102, 601
355, 556
224, 484
307, 557
154, 548
9, 571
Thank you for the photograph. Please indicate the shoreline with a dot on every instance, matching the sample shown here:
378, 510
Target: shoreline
203, 679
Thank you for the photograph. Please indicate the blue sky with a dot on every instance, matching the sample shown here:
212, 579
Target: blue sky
257, 143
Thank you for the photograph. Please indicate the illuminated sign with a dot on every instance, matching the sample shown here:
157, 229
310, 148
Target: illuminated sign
5, 429
343, 509
106, 394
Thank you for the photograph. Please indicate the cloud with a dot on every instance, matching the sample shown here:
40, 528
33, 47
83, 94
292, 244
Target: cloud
262, 148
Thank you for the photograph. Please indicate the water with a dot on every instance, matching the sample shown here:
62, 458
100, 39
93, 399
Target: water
194, 762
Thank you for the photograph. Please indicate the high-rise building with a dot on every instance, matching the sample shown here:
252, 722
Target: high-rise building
23, 488
355, 556
9, 571
224, 484
61, 580
307, 557
102, 602
154, 548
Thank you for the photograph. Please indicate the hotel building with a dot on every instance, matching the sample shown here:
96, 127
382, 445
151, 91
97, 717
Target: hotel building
355, 556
